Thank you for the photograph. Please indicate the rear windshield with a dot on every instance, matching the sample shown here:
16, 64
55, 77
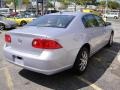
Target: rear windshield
57, 21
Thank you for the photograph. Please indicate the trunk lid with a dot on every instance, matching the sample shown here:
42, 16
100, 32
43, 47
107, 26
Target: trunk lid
21, 39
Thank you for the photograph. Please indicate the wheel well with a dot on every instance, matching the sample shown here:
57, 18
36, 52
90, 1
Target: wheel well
112, 32
23, 21
87, 45
2, 24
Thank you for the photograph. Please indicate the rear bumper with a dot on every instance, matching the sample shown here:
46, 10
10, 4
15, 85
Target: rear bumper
46, 63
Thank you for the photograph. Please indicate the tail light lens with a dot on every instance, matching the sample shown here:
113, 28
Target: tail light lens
45, 44
7, 38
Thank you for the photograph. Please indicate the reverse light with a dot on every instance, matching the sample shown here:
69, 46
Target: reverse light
45, 44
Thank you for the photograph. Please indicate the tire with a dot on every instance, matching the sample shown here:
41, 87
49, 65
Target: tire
2, 26
116, 17
110, 43
23, 23
81, 62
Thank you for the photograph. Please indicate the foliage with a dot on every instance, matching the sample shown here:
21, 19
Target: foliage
50, 5
65, 2
78, 2
111, 4
25, 1
8, 1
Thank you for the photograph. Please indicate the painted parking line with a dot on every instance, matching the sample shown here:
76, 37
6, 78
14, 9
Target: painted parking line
4, 67
8, 78
118, 57
95, 87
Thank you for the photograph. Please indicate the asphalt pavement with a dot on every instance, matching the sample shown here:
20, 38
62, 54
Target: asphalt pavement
103, 72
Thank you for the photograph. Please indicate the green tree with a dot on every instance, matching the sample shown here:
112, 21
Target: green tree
78, 2
26, 2
49, 4
111, 4
8, 1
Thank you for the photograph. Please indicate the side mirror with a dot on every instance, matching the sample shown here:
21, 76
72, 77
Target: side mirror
108, 24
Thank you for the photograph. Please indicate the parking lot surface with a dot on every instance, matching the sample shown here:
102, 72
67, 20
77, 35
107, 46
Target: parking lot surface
103, 72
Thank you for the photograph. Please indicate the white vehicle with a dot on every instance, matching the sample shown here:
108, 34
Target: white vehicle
5, 11
56, 42
114, 15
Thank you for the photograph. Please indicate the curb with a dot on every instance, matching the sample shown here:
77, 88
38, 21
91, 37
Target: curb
118, 57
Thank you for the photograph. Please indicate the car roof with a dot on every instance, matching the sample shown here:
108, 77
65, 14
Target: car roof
70, 13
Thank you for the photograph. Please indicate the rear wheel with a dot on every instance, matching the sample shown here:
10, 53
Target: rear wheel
2, 26
116, 17
81, 61
23, 23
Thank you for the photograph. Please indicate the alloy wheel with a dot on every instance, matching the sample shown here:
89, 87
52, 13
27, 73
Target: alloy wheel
83, 61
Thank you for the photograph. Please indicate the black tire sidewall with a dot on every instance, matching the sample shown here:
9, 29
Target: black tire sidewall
77, 61
23, 23
2, 25
110, 44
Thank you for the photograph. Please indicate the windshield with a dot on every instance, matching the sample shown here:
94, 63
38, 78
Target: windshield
58, 21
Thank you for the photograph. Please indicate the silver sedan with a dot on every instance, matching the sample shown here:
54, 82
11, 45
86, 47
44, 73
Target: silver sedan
56, 42
6, 24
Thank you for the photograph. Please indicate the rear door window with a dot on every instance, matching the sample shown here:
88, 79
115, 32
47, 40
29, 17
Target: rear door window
100, 21
90, 21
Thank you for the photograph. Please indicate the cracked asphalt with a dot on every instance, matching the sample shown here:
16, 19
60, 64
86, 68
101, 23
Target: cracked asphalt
103, 72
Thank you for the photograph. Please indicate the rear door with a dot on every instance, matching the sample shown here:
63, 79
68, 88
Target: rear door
102, 28
94, 32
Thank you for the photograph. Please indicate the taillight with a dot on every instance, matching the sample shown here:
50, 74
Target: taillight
45, 44
7, 38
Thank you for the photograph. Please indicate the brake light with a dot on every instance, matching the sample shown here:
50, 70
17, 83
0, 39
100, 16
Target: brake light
45, 44
7, 38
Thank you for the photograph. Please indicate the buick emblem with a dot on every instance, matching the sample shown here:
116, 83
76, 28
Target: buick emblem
19, 41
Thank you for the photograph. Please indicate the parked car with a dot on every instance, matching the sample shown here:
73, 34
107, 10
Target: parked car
5, 11
51, 11
91, 11
6, 24
22, 20
114, 15
56, 42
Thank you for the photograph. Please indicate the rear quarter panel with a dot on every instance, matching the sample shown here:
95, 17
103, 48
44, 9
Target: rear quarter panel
73, 38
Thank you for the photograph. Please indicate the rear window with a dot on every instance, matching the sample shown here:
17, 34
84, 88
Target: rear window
57, 21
